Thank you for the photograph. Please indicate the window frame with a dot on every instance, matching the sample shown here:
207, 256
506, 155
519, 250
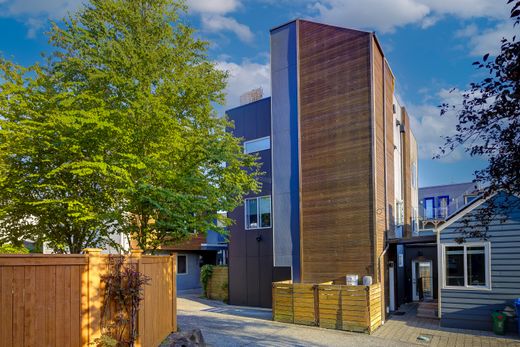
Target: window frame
186, 263
487, 257
257, 198
268, 138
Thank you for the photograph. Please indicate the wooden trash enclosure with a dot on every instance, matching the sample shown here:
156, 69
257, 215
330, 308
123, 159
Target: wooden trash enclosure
328, 305
295, 303
56, 300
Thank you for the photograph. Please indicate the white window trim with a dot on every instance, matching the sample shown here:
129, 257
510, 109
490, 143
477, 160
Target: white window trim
487, 254
257, 140
257, 212
184, 273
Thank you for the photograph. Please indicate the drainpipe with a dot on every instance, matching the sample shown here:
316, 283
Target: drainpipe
383, 302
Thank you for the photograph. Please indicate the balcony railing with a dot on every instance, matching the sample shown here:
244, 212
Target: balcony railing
437, 213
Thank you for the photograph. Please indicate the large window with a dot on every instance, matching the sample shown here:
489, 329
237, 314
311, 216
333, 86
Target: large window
182, 264
257, 145
258, 212
467, 266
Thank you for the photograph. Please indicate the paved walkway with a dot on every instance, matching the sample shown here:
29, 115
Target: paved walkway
408, 327
229, 326
226, 325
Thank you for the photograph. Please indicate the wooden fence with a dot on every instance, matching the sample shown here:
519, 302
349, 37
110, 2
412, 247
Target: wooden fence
218, 283
328, 305
56, 300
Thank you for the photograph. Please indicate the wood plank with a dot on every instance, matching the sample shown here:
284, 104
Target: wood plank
6, 304
50, 305
18, 306
31, 260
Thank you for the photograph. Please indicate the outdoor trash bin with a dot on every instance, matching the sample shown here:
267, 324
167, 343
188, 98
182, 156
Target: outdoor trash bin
499, 322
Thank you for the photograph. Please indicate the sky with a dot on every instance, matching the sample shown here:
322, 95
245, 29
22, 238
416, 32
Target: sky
430, 46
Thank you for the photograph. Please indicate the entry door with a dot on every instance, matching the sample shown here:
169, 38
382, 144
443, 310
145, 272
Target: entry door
429, 211
422, 280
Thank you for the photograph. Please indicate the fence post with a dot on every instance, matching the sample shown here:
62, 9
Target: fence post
94, 297
174, 291
135, 257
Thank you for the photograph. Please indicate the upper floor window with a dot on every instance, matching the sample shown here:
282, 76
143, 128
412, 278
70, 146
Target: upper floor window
257, 145
414, 175
469, 198
258, 212
399, 213
466, 266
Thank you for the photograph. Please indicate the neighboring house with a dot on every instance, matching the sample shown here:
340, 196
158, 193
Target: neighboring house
416, 260
479, 276
340, 162
191, 255
439, 202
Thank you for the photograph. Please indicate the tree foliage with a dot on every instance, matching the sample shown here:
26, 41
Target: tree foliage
117, 132
489, 125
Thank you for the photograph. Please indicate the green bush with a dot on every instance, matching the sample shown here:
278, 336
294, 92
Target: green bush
7, 248
206, 271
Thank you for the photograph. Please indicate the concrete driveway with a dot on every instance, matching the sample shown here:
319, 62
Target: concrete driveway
226, 325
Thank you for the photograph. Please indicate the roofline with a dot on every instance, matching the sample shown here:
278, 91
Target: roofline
446, 185
249, 103
316, 22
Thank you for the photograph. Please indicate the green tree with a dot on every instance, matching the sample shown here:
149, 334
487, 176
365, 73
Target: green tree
489, 127
119, 132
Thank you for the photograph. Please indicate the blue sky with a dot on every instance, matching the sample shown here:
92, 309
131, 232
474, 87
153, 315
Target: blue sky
430, 45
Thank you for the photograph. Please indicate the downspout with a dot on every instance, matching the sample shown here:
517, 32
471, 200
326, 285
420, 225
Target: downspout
383, 300
440, 275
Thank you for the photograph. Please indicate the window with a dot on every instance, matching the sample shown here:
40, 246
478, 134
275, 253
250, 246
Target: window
428, 208
257, 145
469, 198
399, 214
182, 262
443, 203
467, 266
415, 221
258, 212
414, 175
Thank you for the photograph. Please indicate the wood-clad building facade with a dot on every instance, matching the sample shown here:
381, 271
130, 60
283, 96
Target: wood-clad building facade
337, 133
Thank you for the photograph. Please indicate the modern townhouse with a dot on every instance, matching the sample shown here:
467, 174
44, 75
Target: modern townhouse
340, 162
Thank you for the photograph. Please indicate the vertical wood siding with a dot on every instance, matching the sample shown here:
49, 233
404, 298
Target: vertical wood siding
335, 143
56, 300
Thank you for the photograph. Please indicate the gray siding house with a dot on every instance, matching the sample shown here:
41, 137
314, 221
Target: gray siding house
478, 276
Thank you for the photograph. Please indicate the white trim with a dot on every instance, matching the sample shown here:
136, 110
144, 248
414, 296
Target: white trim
487, 257
177, 269
258, 212
258, 140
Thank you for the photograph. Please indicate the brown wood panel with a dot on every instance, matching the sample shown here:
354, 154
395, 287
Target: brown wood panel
407, 174
335, 151
379, 150
6, 305
45, 303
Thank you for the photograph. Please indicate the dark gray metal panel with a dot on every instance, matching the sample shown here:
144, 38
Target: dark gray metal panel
284, 85
237, 284
248, 285
472, 309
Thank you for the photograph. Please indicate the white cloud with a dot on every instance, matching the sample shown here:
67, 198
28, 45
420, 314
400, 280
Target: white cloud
487, 40
34, 13
243, 78
387, 15
383, 15
213, 6
430, 128
222, 23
